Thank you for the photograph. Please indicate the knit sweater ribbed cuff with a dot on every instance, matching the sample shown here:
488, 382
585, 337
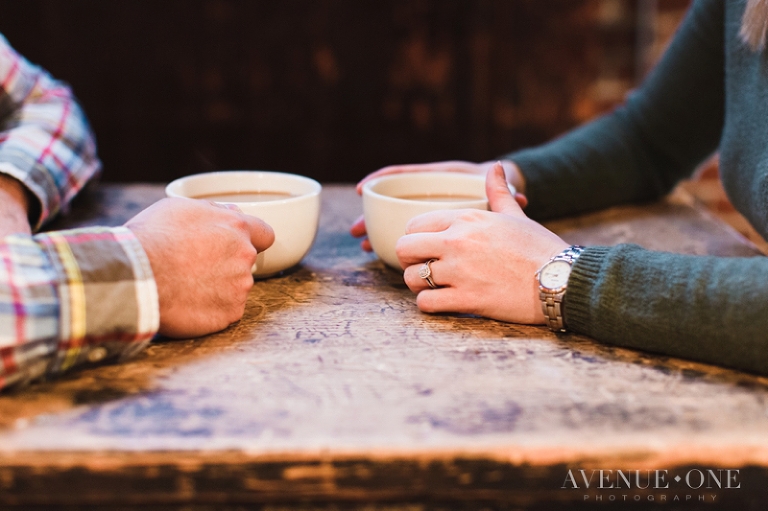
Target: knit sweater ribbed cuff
578, 297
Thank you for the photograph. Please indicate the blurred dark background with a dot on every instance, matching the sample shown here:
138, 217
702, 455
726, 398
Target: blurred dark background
333, 89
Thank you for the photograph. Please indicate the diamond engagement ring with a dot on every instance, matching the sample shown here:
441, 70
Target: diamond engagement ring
425, 272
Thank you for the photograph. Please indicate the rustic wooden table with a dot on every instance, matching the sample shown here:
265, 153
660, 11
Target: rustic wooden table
334, 391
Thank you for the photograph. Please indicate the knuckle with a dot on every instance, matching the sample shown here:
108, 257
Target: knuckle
402, 248
247, 284
239, 286
237, 314
453, 241
471, 215
249, 255
234, 312
240, 223
241, 251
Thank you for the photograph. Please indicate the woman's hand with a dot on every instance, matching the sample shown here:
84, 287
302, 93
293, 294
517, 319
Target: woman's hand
514, 176
485, 261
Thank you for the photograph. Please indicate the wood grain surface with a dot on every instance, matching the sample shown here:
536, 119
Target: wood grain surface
334, 388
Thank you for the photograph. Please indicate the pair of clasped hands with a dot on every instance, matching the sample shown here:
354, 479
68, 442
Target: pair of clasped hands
485, 261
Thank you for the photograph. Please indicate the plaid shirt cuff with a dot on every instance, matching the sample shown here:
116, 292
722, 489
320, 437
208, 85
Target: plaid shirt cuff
71, 298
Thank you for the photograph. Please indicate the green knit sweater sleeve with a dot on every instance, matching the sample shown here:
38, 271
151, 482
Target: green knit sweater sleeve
642, 149
710, 309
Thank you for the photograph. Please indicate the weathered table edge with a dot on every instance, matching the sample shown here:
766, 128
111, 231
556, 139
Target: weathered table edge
165, 478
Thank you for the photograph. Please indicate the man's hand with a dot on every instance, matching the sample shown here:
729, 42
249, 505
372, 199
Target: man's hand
201, 255
14, 207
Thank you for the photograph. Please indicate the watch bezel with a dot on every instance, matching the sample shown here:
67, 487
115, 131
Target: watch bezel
554, 290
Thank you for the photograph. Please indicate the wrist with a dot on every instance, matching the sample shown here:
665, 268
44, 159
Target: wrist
14, 206
15, 191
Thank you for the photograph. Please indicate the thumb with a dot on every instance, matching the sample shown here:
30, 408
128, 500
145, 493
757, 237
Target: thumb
262, 235
500, 198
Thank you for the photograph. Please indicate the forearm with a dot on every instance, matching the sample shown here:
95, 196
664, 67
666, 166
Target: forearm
641, 150
71, 298
709, 309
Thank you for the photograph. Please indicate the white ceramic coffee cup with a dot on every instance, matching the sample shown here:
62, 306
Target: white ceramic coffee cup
294, 218
387, 212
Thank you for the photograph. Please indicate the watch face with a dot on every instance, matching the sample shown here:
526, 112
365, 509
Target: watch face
555, 275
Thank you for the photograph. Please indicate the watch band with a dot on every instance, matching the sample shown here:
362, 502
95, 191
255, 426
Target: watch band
552, 300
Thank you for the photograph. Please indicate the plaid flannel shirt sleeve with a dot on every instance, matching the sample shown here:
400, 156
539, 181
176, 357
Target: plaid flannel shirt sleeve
45, 140
72, 298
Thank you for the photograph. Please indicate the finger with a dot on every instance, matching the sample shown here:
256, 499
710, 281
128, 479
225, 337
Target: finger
262, 235
433, 221
521, 199
500, 197
224, 205
366, 245
416, 248
232, 207
443, 299
416, 283
358, 228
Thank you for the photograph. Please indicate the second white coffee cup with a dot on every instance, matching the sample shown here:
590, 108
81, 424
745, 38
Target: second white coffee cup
390, 202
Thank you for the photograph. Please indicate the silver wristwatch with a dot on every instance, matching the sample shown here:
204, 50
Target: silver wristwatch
553, 281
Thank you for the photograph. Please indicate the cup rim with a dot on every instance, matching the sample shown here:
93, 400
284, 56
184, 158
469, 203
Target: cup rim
315, 190
368, 186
